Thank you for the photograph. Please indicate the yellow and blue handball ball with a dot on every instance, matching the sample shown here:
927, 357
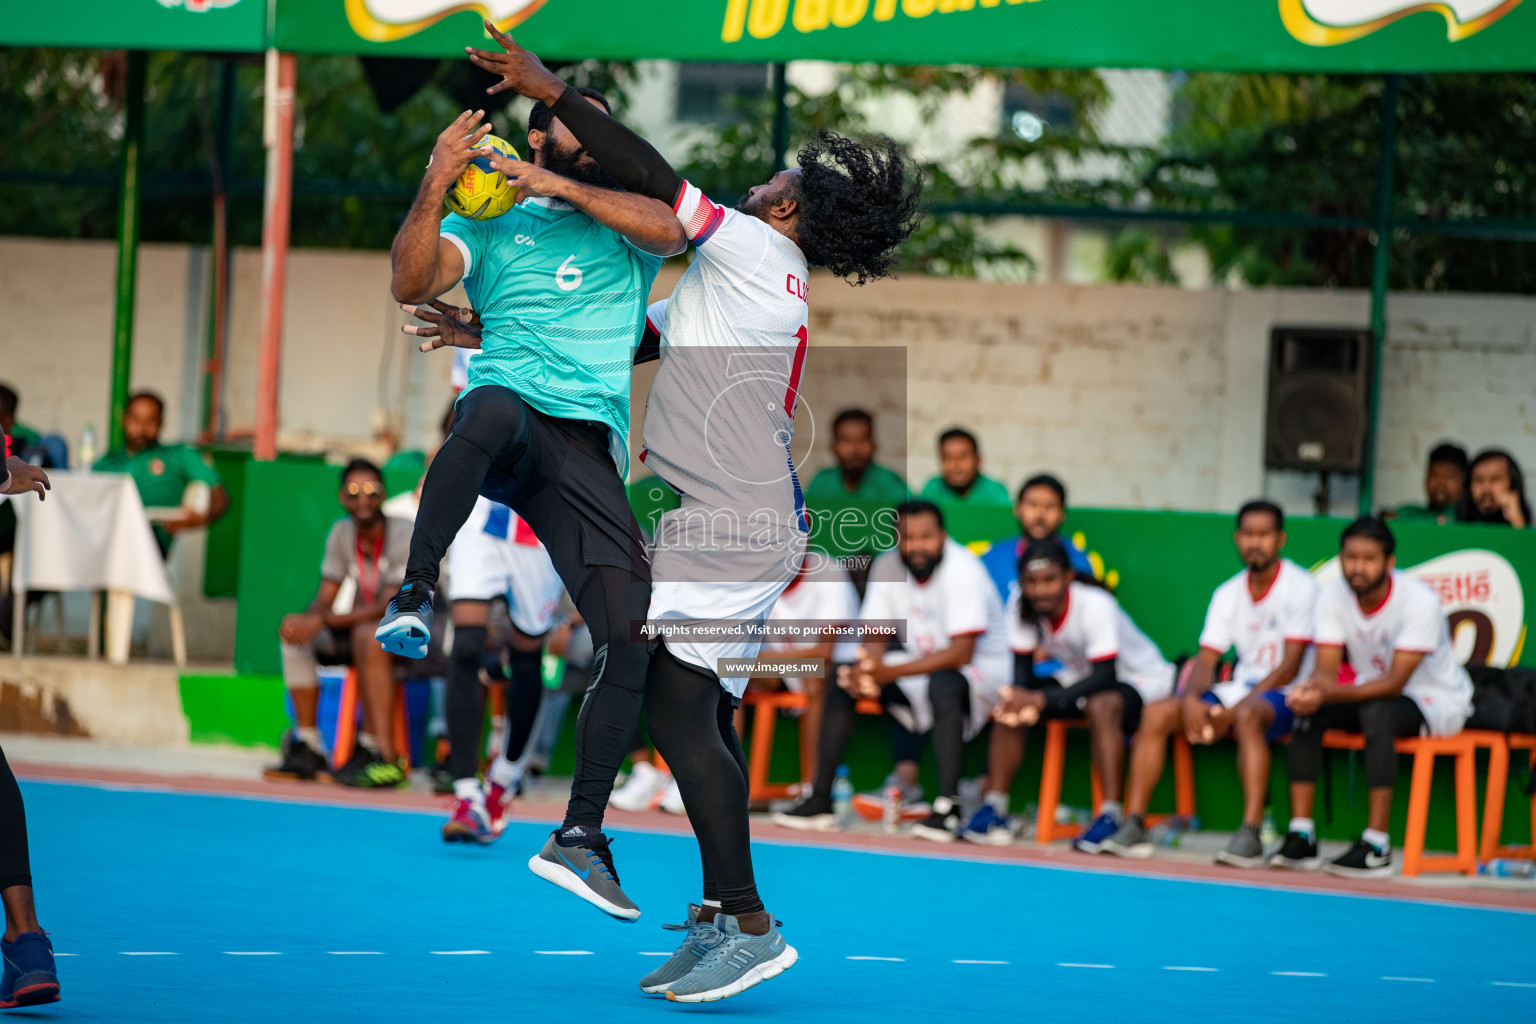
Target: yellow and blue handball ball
482, 192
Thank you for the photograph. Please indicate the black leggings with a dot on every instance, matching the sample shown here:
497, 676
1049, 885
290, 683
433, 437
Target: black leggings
15, 865
558, 475
466, 700
949, 693
690, 716
1381, 721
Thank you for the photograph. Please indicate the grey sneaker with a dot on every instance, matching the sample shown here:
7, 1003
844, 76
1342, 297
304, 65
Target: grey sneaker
1129, 840
702, 937
737, 963
1245, 850
584, 868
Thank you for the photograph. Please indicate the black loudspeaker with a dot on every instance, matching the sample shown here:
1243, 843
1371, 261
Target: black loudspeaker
1318, 384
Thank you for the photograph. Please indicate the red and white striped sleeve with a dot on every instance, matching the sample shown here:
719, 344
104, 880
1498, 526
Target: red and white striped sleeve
732, 239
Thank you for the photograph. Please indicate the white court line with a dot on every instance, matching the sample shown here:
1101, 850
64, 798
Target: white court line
126, 953
354, 952
66, 954
888, 959
563, 952
1298, 974
1099, 967
1002, 962
460, 952
236, 952
1209, 970
655, 954
1389, 977
1514, 984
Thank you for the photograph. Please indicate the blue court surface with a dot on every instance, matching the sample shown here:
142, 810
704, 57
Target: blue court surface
181, 907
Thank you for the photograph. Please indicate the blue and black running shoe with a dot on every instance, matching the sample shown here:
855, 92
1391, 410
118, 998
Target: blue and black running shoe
406, 628
1092, 841
30, 978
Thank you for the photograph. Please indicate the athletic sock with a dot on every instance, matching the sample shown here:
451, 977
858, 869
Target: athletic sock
1111, 808
506, 774
1380, 840
369, 742
468, 789
998, 802
1303, 826
575, 835
754, 922
311, 738
709, 909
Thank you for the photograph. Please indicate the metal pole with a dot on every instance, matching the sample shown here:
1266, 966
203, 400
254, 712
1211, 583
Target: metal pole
282, 73
1381, 263
127, 244
780, 118
218, 280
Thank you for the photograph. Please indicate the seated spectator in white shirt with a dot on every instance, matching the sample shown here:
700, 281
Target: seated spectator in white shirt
363, 566
1265, 612
1408, 682
1076, 654
942, 680
820, 598
1495, 492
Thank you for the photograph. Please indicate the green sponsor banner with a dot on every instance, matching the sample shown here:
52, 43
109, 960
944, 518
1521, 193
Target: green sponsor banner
214, 25
1217, 35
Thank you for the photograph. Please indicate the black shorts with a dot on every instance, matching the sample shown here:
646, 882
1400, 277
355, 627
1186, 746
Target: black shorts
559, 476
1130, 715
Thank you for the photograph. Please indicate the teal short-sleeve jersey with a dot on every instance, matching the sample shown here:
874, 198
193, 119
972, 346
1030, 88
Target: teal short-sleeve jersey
563, 300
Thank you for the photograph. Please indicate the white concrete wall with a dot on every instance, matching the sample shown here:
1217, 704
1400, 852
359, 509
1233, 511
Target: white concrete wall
1139, 397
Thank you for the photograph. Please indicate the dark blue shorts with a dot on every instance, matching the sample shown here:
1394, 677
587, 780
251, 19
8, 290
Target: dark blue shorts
1285, 718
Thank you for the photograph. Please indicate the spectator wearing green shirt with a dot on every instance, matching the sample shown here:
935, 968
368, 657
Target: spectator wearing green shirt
1444, 480
857, 474
960, 481
23, 438
160, 471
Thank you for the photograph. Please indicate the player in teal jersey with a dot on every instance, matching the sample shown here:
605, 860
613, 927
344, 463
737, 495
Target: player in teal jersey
561, 282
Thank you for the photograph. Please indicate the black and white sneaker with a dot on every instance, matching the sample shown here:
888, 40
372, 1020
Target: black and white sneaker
813, 814
942, 826
1297, 853
301, 762
1362, 861
577, 859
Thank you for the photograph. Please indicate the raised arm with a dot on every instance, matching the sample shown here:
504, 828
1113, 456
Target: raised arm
633, 162
648, 224
423, 264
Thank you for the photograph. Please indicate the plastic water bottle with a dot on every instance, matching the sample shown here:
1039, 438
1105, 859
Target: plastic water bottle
1268, 833
890, 812
1508, 867
842, 798
87, 450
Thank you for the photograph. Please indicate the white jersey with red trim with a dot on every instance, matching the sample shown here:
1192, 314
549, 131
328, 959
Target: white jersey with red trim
1260, 629
1409, 620
1094, 627
957, 600
720, 414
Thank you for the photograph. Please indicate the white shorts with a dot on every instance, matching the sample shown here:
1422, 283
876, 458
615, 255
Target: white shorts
695, 579
496, 555
918, 717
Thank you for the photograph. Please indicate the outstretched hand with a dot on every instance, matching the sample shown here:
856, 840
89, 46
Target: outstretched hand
25, 478
447, 326
520, 70
531, 178
456, 147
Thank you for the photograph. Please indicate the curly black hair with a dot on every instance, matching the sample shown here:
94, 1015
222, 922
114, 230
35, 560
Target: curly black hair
858, 202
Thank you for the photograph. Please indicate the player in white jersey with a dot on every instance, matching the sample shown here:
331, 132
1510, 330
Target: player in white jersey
1076, 654
1264, 613
818, 600
1408, 682
943, 678
731, 347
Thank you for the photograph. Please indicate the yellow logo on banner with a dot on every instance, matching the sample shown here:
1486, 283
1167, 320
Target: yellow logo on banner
384, 21
762, 19
1331, 22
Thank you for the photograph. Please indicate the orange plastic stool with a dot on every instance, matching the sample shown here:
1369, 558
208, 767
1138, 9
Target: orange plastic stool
1493, 801
1463, 747
1054, 767
346, 723
765, 721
